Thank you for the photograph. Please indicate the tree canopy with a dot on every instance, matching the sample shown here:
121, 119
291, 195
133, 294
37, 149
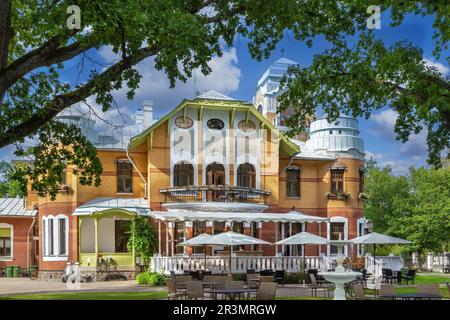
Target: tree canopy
36, 46
414, 207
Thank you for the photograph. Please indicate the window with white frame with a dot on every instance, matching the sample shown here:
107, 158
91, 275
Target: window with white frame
55, 236
6, 240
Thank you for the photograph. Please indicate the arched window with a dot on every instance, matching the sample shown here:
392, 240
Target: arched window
260, 110
183, 174
215, 174
293, 182
246, 176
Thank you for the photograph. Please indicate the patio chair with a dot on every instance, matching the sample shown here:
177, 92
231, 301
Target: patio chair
251, 271
432, 288
180, 282
173, 294
266, 272
316, 285
358, 290
253, 281
279, 276
386, 289
388, 276
409, 276
266, 279
195, 275
234, 285
194, 290
267, 291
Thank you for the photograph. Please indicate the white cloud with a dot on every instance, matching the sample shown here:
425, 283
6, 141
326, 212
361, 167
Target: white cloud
224, 77
439, 66
383, 126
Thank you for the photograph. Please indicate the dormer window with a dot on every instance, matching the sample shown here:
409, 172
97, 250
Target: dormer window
124, 176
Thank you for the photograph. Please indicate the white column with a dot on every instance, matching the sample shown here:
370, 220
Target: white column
276, 238
430, 261
320, 234
282, 238
172, 247
159, 237
167, 240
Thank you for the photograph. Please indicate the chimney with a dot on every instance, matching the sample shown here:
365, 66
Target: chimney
139, 116
148, 113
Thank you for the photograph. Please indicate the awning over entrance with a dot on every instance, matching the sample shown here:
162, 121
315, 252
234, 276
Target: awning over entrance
140, 206
291, 216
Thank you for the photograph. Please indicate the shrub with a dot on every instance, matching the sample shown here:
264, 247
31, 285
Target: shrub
150, 278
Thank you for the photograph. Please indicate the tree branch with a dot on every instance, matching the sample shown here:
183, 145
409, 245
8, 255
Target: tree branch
5, 31
59, 103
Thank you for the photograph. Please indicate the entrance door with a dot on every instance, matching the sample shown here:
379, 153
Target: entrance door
215, 176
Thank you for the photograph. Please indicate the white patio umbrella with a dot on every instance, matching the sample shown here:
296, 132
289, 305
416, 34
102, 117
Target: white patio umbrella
202, 240
231, 239
302, 239
378, 238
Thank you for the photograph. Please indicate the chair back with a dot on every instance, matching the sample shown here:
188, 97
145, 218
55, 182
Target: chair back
182, 279
359, 291
251, 271
195, 275
266, 272
253, 277
234, 285
266, 279
267, 291
170, 284
432, 288
209, 278
313, 279
194, 289
279, 273
386, 289
411, 273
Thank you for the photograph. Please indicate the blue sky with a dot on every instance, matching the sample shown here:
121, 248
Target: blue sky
236, 74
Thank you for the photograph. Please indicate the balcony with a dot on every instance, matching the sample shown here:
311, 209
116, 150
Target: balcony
216, 198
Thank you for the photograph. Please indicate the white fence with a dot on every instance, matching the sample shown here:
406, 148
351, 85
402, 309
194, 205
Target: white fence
438, 263
238, 264
395, 263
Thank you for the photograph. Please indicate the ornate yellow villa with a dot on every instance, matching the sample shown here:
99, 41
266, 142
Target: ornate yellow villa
209, 165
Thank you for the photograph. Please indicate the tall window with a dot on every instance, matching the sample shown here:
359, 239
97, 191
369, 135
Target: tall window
293, 182
5, 242
183, 174
124, 176
361, 180
337, 180
179, 236
219, 227
198, 227
336, 229
122, 235
246, 176
55, 236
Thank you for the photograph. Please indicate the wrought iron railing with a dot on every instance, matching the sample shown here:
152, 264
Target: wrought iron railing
215, 194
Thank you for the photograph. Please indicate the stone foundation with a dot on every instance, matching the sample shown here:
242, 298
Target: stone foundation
50, 275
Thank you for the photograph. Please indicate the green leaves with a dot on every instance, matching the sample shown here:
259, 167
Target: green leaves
142, 238
366, 78
415, 207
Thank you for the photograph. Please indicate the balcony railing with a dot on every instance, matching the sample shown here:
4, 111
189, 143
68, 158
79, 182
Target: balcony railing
231, 194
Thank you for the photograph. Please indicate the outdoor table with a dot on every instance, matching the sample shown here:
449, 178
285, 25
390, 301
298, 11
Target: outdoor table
411, 296
231, 293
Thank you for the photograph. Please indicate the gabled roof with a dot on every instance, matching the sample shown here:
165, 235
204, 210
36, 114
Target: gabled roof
15, 207
214, 95
218, 104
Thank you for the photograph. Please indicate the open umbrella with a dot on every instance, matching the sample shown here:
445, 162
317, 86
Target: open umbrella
231, 239
378, 238
202, 240
302, 238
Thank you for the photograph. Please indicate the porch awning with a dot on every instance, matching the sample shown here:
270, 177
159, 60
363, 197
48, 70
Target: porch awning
139, 206
292, 216
15, 207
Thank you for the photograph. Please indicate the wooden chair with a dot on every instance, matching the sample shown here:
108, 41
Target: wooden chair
315, 285
253, 281
386, 289
194, 290
234, 285
266, 279
173, 294
432, 288
180, 282
267, 291
358, 290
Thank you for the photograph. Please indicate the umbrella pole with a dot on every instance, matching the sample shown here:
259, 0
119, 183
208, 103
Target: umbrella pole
229, 259
204, 250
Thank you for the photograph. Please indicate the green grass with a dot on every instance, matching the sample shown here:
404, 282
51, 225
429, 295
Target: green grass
425, 278
88, 296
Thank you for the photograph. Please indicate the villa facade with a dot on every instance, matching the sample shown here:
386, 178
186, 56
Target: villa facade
211, 164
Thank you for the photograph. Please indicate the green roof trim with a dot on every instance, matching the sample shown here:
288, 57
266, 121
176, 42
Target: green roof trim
286, 145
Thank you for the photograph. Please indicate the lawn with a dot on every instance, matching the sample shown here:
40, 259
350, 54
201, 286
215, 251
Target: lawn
426, 278
88, 296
